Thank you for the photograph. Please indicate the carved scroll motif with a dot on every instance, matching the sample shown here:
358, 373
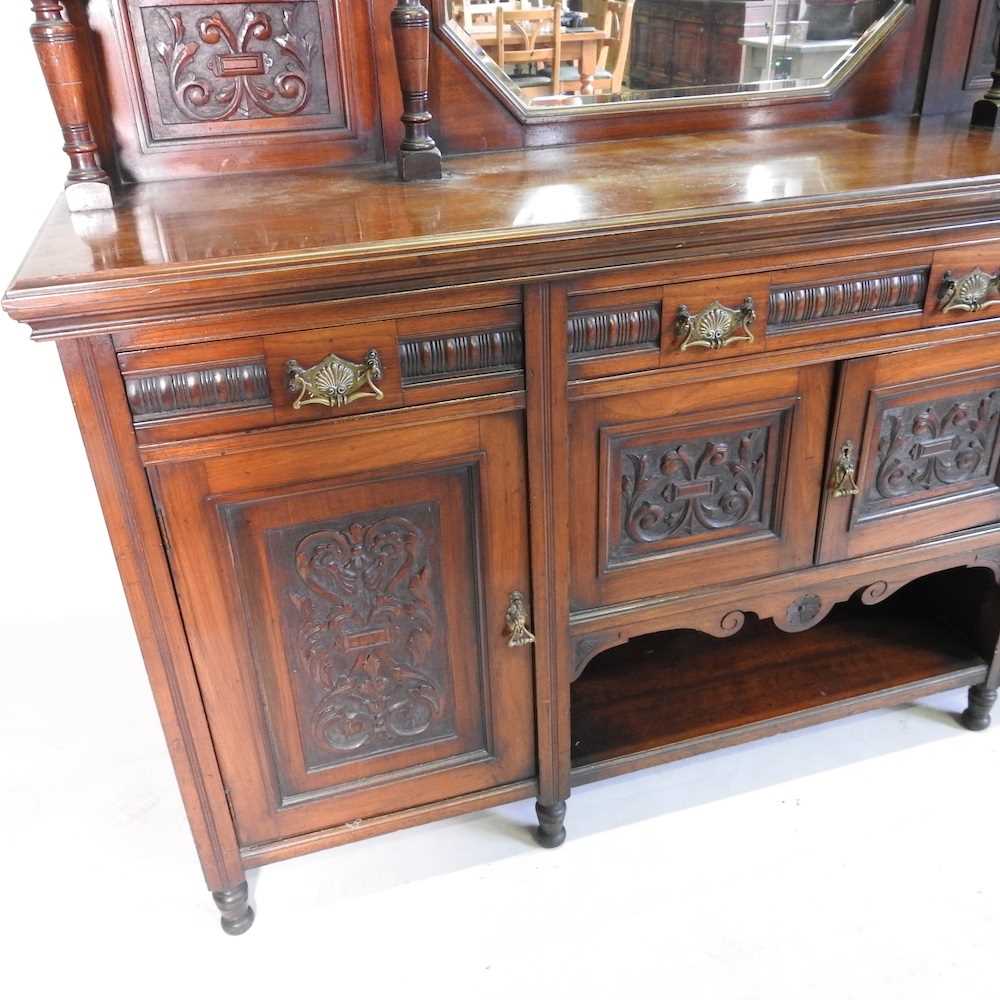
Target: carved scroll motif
925, 447
259, 61
370, 637
688, 488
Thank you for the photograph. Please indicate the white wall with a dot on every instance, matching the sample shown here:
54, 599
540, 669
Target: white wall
55, 558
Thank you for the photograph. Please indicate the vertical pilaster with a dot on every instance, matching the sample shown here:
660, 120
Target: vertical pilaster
418, 157
57, 44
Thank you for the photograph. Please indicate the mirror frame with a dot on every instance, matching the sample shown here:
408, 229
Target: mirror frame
489, 74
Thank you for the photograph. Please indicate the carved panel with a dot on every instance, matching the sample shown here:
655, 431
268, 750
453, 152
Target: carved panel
609, 331
675, 489
162, 394
881, 295
365, 628
457, 354
229, 63
932, 448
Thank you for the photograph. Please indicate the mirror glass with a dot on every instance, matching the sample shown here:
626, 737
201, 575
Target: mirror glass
578, 53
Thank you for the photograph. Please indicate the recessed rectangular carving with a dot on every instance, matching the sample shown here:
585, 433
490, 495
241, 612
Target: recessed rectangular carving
611, 331
458, 354
932, 449
364, 625
794, 307
163, 394
230, 64
674, 487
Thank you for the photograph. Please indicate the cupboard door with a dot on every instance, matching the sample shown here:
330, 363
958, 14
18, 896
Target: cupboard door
696, 485
916, 432
344, 599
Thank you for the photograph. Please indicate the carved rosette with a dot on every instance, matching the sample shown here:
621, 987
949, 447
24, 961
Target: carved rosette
929, 447
370, 636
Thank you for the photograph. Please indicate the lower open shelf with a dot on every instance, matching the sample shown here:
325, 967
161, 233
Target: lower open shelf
676, 693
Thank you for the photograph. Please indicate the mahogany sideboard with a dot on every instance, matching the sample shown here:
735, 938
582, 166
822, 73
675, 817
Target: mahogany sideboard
576, 460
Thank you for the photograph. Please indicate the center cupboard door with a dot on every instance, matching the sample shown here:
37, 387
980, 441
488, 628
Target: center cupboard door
917, 433
698, 484
344, 596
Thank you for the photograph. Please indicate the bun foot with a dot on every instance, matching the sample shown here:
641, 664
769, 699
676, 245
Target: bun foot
977, 716
551, 830
237, 915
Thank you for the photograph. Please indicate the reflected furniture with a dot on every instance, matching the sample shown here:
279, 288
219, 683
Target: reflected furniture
680, 43
803, 60
645, 428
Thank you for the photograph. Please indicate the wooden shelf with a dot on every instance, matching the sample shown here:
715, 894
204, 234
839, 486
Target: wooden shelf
673, 694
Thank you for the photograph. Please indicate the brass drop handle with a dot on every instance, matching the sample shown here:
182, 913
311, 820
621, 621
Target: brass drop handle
845, 483
334, 381
517, 621
970, 293
716, 326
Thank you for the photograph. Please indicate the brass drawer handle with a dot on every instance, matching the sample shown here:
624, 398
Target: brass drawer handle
334, 381
716, 326
845, 483
969, 294
517, 621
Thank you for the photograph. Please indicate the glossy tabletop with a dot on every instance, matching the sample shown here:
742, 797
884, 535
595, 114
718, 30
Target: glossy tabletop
525, 209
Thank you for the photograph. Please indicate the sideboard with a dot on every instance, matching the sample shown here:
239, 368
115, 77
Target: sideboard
573, 461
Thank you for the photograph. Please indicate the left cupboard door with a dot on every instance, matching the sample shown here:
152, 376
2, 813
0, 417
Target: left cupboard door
345, 596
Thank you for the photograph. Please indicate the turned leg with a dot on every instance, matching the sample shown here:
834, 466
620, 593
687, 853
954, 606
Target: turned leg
237, 915
981, 699
551, 829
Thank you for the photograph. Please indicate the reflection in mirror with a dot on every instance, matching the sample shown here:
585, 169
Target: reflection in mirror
578, 53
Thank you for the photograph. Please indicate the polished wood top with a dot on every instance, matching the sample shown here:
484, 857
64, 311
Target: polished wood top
169, 246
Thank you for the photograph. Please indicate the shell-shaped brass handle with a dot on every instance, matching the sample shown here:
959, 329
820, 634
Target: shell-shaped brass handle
716, 326
517, 621
334, 381
971, 293
845, 482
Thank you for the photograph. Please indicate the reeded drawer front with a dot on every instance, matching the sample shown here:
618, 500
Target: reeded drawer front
322, 374
693, 485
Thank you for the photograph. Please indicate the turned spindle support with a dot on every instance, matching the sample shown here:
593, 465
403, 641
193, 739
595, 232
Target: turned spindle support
56, 40
418, 157
234, 905
551, 823
986, 110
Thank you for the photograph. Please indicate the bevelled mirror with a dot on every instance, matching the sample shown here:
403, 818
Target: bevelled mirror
581, 55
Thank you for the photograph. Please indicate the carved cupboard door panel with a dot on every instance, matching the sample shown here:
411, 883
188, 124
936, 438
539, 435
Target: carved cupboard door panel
914, 450
696, 485
344, 596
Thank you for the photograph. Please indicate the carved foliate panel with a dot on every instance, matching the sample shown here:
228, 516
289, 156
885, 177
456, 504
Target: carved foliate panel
365, 630
689, 486
234, 66
933, 448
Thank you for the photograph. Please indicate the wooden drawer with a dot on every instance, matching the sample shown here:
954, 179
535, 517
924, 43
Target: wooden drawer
964, 285
322, 374
614, 332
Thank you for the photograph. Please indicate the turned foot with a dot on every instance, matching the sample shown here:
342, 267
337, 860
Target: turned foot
977, 716
237, 916
551, 831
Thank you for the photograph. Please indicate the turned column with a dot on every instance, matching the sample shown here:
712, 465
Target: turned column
418, 157
986, 109
57, 44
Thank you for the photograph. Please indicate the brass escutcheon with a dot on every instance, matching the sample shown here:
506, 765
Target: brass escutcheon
716, 326
845, 483
517, 621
